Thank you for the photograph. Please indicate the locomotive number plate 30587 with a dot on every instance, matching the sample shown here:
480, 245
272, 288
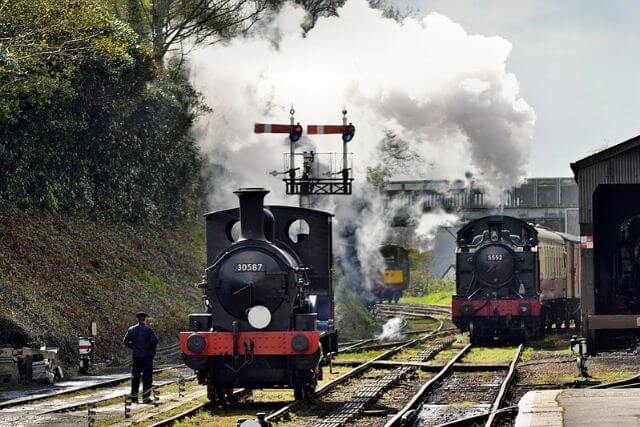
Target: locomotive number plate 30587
248, 267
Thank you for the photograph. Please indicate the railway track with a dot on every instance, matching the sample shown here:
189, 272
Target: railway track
412, 310
278, 410
456, 397
395, 310
366, 388
56, 392
106, 399
70, 406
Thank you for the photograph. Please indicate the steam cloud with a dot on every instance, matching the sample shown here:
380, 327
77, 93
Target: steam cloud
444, 91
392, 329
447, 93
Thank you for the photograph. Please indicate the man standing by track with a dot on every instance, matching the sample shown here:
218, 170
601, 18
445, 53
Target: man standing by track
142, 340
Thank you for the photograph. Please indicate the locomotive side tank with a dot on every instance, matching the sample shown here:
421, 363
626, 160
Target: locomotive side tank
268, 319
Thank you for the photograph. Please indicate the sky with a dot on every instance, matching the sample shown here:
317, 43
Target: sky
577, 63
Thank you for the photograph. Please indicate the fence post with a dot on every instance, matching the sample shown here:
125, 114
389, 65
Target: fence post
91, 414
127, 405
181, 386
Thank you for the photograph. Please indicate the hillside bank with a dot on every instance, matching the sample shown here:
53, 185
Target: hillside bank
58, 273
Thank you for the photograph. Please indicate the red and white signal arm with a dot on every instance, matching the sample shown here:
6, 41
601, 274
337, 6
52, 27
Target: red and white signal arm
268, 128
84, 345
324, 129
586, 242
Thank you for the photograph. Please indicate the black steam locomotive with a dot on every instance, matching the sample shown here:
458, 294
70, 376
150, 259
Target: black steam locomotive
268, 296
514, 279
496, 278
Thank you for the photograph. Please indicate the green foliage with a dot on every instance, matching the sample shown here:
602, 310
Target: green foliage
154, 282
136, 17
87, 122
424, 287
46, 43
352, 317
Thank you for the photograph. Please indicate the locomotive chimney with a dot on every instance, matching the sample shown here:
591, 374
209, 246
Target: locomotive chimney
251, 213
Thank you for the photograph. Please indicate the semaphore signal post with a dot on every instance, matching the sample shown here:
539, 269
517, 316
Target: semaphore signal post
320, 173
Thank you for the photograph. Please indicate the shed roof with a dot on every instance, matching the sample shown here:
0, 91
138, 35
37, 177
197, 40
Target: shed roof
605, 154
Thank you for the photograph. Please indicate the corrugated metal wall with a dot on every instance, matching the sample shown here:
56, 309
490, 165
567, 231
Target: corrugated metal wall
622, 169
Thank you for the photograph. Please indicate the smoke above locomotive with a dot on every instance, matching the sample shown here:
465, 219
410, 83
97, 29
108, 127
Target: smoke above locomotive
446, 93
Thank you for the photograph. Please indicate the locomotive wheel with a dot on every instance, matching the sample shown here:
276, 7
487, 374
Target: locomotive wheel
475, 335
212, 394
305, 386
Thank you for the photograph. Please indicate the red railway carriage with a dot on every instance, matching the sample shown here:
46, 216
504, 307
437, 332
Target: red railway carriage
513, 279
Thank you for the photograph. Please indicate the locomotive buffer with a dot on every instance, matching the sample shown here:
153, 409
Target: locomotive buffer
321, 173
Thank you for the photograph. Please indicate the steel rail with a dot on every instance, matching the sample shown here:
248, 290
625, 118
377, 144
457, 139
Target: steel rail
416, 401
74, 406
475, 419
354, 346
236, 394
107, 383
620, 383
499, 400
369, 390
355, 371
427, 309
428, 366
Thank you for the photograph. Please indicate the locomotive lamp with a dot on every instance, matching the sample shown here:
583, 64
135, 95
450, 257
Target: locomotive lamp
579, 348
259, 317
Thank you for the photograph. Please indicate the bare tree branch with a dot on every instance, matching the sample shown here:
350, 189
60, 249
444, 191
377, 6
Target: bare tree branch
175, 22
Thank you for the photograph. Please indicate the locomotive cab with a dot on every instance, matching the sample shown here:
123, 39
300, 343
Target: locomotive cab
261, 294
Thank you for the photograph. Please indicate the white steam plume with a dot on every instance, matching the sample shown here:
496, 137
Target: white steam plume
392, 329
447, 93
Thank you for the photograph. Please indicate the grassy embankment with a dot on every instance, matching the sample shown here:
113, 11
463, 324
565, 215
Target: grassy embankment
434, 292
424, 288
60, 272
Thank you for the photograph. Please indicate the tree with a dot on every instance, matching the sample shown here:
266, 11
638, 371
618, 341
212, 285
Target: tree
171, 24
318, 8
87, 121
44, 43
394, 155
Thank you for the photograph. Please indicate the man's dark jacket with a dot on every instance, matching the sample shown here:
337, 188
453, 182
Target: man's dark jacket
142, 340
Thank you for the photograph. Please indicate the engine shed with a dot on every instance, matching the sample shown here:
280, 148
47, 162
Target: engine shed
609, 217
